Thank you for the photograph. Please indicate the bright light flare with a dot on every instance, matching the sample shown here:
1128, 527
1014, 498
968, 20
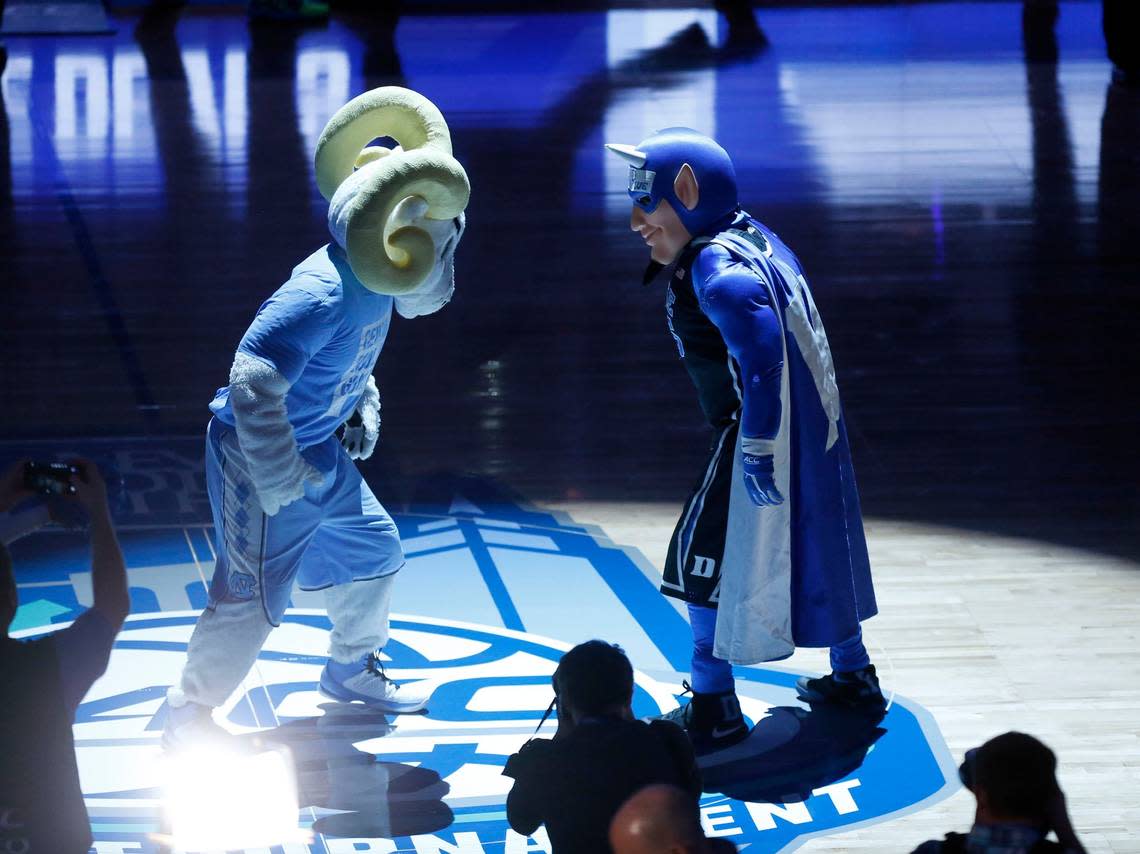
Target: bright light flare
221, 800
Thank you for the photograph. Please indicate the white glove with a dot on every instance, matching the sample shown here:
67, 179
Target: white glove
276, 467
362, 429
437, 290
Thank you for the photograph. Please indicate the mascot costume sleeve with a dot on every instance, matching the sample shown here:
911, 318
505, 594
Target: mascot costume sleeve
289, 506
769, 553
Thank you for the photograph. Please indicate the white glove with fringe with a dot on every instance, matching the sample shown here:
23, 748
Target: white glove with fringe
362, 429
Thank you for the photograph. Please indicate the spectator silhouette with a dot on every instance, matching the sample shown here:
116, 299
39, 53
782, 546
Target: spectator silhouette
41, 805
1039, 30
1121, 27
662, 819
1013, 778
600, 755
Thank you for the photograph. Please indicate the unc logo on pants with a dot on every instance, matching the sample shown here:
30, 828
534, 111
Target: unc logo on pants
242, 585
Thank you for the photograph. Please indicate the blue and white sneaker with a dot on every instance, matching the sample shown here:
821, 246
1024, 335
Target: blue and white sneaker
365, 681
191, 726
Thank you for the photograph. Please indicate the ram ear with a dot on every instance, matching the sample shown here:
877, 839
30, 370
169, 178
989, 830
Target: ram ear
398, 261
393, 111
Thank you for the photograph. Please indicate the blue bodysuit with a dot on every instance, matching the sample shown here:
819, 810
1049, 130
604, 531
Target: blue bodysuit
748, 333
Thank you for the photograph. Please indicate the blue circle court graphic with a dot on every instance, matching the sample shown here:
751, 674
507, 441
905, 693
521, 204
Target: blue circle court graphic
490, 583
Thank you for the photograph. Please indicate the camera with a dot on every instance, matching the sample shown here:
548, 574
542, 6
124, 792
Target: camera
50, 478
966, 771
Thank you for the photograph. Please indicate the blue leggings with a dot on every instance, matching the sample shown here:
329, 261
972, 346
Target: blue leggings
712, 675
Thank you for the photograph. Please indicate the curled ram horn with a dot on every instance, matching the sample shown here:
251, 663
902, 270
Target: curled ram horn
365, 184
373, 153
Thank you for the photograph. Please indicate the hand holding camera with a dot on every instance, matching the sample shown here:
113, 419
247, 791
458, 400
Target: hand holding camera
90, 490
50, 478
78, 479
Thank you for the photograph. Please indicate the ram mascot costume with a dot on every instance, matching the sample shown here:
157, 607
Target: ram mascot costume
289, 505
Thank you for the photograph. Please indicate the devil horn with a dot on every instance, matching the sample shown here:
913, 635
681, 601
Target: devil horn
628, 152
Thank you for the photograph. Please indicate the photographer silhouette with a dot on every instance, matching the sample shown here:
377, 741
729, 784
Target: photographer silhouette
600, 755
41, 805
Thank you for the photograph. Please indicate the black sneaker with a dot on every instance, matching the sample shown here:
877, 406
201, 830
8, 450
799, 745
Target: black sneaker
712, 721
857, 688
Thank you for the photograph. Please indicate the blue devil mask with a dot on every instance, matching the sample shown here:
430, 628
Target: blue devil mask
655, 162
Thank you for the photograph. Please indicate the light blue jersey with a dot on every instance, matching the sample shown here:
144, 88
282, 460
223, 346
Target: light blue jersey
322, 330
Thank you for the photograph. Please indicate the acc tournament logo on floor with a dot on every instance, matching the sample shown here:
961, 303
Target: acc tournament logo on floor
432, 783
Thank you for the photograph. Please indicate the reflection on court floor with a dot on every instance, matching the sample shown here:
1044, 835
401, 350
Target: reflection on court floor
492, 594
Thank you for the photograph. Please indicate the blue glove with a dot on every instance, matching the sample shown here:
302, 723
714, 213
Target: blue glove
759, 475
